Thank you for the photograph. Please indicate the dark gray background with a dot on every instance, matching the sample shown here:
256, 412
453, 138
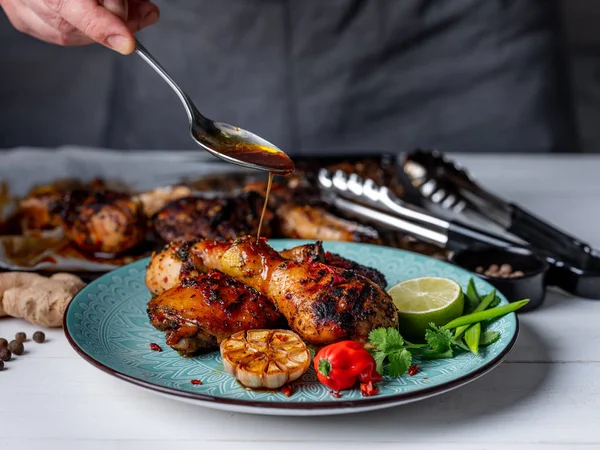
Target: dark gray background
581, 20
323, 76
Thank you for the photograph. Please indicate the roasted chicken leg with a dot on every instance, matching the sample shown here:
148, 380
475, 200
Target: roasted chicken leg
176, 262
102, 221
323, 304
198, 314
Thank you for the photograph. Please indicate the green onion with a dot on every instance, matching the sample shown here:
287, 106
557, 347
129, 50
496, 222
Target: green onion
472, 298
472, 337
486, 315
487, 300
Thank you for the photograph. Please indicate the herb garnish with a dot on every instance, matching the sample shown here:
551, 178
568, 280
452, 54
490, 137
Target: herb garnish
463, 334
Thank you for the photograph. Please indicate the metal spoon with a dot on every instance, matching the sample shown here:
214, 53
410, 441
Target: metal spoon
225, 141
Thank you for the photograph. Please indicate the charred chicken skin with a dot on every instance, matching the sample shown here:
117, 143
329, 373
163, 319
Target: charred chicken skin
316, 253
205, 309
213, 218
323, 304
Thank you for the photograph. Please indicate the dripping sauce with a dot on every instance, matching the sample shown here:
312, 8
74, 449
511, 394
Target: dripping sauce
264, 209
261, 156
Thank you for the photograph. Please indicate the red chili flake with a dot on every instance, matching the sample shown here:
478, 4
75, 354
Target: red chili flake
196, 381
337, 279
412, 370
368, 389
282, 337
335, 394
155, 347
288, 390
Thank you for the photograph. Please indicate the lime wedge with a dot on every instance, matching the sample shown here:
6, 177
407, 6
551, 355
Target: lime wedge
424, 300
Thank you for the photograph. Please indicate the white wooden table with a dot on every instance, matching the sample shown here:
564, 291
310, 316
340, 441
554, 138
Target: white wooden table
546, 394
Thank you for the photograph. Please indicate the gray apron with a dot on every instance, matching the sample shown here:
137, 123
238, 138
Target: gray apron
315, 77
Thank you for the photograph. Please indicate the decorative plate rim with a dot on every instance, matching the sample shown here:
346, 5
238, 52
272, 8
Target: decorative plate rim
404, 397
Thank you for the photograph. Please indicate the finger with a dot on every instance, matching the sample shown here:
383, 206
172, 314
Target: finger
28, 21
119, 8
50, 17
96, 22
15, 15
142, 14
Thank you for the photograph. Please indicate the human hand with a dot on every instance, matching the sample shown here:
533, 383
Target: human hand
80, 22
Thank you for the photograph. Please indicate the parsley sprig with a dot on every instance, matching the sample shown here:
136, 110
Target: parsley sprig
463, 334
389, 344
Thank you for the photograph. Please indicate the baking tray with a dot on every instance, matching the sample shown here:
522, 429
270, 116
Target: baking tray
23, 169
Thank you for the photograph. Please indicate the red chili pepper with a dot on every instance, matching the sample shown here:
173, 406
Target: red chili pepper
368, 389
335, 394
155, 347
197, 382
339, 366
412, 370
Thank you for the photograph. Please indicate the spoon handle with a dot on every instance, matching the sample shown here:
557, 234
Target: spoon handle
190, 108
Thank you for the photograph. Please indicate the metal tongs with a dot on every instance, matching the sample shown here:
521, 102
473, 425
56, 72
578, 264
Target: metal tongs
445, 183
366, 200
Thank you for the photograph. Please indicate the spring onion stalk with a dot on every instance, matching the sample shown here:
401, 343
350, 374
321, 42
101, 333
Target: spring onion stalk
483, 305
480, 316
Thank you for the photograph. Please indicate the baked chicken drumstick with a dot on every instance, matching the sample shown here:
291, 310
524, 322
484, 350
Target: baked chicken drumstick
321, 303
176, 262
198, 314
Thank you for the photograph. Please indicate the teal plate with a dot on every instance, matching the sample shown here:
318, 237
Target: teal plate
106, 323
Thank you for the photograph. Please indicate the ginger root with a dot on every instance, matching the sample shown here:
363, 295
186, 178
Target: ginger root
37, 299
10, 280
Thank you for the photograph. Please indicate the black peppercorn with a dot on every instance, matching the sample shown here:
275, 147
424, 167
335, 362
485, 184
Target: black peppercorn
21, 337
5, 354
39, 337
16, 347
3, 343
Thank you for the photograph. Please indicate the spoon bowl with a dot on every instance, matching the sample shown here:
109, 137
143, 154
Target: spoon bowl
227, 142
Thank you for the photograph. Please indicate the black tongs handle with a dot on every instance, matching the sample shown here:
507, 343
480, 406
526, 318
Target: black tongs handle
543, 235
